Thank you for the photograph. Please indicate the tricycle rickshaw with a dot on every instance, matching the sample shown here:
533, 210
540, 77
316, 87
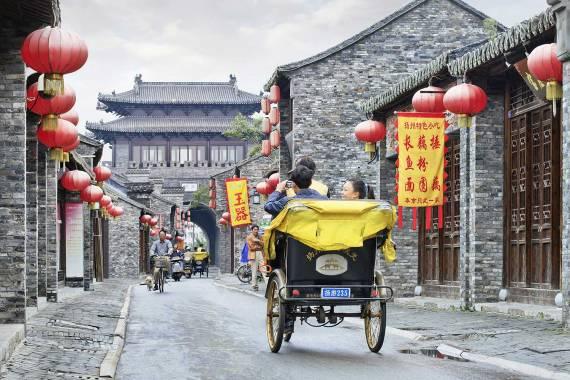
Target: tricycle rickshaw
321, 255
200, 263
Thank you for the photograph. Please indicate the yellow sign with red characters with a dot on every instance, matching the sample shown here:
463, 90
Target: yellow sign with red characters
238, 201
421, 159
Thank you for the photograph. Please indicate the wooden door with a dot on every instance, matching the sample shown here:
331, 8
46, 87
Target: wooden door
439, 248
534, 183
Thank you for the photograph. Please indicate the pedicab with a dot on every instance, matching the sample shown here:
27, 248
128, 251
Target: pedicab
200, 263
321, 255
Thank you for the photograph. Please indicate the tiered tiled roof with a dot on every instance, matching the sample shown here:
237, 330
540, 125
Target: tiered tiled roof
135, 124
182, 93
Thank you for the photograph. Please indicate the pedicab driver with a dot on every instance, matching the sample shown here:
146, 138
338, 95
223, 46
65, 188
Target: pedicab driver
161, 247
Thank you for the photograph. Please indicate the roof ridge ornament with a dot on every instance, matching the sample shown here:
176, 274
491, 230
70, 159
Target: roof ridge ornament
138, 82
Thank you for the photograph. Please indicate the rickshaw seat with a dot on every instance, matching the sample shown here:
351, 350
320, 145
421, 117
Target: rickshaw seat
328, 225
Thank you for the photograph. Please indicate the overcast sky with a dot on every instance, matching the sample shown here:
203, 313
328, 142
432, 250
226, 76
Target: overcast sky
206, 40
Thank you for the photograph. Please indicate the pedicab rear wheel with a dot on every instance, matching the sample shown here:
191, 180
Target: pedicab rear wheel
375, 324
275, 318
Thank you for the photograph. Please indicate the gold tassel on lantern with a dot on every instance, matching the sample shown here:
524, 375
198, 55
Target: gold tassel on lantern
53, 84
464, 121
370, 148
553, 90
65, 157
49, 122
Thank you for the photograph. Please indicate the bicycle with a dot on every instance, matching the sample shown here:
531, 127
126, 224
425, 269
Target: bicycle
244, 274
160, 263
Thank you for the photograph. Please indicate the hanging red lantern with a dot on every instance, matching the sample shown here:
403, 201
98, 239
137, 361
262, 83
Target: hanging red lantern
465, 100
153, 222
153, 232
222, 221
50, 107
265, 105
212, 204
275, 94
212, 183
274, 115
105, 200
275, 139
72, 116
264, 188
73, 146
429, 99
75, 180
370, 132
273, 180
212, 193
116, 211
265, 148
63, 136
168, 237
54, 52
266, 125
91, 194
145, 219
226, 215
544, 65
102, 173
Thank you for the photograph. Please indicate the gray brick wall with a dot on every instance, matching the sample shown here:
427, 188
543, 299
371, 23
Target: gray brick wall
31, 212
52, 223
325, 93
565, 227
13, 183
42, 237
124, 243
88, 273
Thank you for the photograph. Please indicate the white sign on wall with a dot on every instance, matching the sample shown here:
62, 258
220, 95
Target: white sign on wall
190, 186
74, 240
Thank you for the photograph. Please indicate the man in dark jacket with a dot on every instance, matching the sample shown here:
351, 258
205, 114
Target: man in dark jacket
301, 178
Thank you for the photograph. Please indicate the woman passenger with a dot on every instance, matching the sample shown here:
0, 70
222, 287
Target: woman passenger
357, 189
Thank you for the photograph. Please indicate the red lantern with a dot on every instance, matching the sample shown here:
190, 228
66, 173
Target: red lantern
274, 116
49, 107
91, 194
212, 204
273, 180
275, 94
264, 188
212, 183
265, 105
153, 232
222, 221
145, 219
465, 100
153, 222
226, 215
266, 148
429, 99
544, 65
102, 173
212, 193
266, 125
54, 52
168, 237
70, 116
370, 132
64, 135
105, 200
75, 180
116, 211
71, 147
275, 139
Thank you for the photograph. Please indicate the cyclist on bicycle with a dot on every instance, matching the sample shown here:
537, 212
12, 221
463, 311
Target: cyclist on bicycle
161, 247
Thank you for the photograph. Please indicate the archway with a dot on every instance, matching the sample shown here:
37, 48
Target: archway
205, 218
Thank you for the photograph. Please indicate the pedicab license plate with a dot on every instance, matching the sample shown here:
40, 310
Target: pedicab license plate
335, 292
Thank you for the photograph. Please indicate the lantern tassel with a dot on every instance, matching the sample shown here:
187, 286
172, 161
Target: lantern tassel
440, 217
49, 122
428, 218
400, 217
53, 84
414, 218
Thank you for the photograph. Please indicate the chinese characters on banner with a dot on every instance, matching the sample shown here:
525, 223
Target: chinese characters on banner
421, 159
238, 201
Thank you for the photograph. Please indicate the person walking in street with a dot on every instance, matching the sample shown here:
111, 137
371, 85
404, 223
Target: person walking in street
315, 185
356, 188
255, 253
301, 179
160, 247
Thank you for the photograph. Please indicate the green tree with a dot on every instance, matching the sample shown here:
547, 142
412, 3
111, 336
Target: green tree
200, 196
247, 129
490, 26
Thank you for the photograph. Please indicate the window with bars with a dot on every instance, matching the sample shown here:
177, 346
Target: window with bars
149, 153
225, 153
187, 153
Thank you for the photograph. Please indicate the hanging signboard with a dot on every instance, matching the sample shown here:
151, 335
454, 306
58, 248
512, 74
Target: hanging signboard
421, 159
238, 201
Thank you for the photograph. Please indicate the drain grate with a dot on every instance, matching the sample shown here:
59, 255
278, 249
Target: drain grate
432, 353
71, 325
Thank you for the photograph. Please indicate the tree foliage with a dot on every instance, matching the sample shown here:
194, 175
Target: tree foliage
201, 195
244, 128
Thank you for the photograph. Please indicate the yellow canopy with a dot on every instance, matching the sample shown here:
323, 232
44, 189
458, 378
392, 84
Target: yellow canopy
329, 225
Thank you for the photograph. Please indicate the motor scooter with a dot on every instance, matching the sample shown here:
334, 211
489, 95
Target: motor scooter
177, 269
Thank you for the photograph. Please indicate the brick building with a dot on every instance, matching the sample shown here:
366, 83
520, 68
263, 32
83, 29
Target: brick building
502, 237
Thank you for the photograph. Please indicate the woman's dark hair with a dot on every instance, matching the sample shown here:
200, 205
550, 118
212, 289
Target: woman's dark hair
364, 191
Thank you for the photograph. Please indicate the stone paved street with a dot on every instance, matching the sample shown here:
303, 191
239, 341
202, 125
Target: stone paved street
196, 330
70, 339
535, 342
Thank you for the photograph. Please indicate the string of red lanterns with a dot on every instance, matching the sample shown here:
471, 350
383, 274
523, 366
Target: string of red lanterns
271, 121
